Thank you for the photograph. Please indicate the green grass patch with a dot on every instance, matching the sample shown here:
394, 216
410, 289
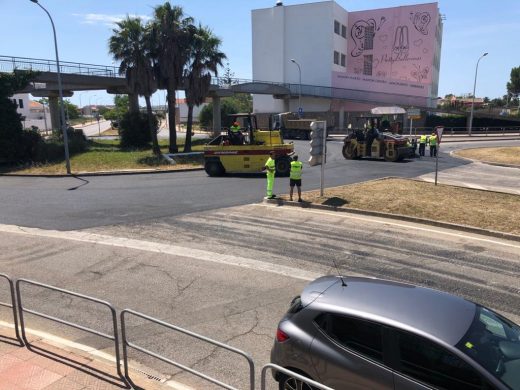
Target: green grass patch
107, 155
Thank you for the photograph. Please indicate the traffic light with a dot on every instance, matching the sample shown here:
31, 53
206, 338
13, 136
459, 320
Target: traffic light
317, 147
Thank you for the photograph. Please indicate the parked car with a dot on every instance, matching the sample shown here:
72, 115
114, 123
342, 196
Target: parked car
362, 333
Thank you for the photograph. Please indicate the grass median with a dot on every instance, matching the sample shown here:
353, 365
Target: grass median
464, 206
107, 155
502, 155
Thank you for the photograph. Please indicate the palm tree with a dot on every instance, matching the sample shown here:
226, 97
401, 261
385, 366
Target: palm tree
130, 44
170, 34
205, 58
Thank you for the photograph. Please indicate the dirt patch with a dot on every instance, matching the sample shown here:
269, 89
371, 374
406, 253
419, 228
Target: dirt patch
505, 155
465, 206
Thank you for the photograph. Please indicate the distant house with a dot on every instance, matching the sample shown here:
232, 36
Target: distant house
33, 113
461, 102
183, 110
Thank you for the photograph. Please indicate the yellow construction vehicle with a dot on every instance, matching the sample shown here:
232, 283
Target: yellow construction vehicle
373, 144
248, 151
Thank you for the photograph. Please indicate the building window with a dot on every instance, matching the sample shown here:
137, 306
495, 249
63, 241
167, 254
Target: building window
343, 31
367, 65
336, 58
336, 27
343, 60
369, 37
20, 103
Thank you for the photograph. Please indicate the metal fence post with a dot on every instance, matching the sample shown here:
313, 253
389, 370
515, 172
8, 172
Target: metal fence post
176, 364
12, 305
21, 311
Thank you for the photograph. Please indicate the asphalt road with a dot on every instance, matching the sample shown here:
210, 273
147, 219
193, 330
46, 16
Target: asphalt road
230, 274
81, 202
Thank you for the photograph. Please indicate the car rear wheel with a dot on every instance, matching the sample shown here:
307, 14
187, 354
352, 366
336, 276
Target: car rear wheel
290, 383
214, 168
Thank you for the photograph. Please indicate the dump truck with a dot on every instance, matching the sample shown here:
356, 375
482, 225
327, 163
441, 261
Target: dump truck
248, 152
291, 126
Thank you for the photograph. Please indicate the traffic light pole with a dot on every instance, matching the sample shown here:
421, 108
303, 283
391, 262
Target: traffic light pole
323, 157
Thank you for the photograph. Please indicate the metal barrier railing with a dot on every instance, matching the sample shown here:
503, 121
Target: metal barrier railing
21, 310
12, 305
176, 364
291, 374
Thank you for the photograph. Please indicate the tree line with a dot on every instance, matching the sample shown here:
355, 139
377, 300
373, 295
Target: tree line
169, 52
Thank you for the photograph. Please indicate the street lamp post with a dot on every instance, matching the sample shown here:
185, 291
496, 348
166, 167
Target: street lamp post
60, 90
473, 100
299, 86
90, 107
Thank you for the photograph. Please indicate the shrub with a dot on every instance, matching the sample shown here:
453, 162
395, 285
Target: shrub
133, 130
54, 150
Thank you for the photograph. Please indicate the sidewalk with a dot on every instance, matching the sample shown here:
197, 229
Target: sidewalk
43, 366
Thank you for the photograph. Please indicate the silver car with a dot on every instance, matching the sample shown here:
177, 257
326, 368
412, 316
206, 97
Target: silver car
362, 333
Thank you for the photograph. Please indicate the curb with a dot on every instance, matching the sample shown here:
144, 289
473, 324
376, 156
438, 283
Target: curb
103, 173
399, 217
455, 155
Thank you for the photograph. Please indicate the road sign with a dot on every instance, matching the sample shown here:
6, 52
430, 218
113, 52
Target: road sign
300, 110
415, 112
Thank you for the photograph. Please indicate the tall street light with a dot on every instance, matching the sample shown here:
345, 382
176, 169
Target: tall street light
60, 90
473, 100
299, 88
90, 107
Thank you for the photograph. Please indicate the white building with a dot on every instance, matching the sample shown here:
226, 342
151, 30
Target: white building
33, 113
391, 53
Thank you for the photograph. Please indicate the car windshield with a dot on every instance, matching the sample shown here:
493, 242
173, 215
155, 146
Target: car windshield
494, 342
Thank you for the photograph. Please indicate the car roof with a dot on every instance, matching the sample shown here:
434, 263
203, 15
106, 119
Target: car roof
433, 313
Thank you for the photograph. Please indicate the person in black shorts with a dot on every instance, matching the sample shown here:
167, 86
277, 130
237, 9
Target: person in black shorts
295, 177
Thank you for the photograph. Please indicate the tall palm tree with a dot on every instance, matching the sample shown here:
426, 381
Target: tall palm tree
130, 44
170, 32
204, 59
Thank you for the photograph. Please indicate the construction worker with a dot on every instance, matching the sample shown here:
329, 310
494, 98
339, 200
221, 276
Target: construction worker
236, 135
422, 144
270, 168
433, 145
295, 177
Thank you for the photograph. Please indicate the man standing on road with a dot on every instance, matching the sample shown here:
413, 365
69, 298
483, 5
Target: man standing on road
270, 168
422, 144
295, 177
433, 145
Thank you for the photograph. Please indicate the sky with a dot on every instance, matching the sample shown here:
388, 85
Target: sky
471, 28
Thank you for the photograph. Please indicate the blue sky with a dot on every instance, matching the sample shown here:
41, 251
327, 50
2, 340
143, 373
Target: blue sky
471, 28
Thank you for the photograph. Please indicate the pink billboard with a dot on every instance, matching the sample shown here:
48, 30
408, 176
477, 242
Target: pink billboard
392, 50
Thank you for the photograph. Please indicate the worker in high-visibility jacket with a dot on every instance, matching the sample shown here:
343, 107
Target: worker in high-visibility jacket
433, 145
422, 144
295, 177
237, 138
270, 168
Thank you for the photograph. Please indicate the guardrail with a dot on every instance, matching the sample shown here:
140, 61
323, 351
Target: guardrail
292, 374
9, 64
12, 305
17, 306
476, 131
176, 364
21, 310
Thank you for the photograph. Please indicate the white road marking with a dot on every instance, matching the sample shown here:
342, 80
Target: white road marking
389, 222
149, 246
